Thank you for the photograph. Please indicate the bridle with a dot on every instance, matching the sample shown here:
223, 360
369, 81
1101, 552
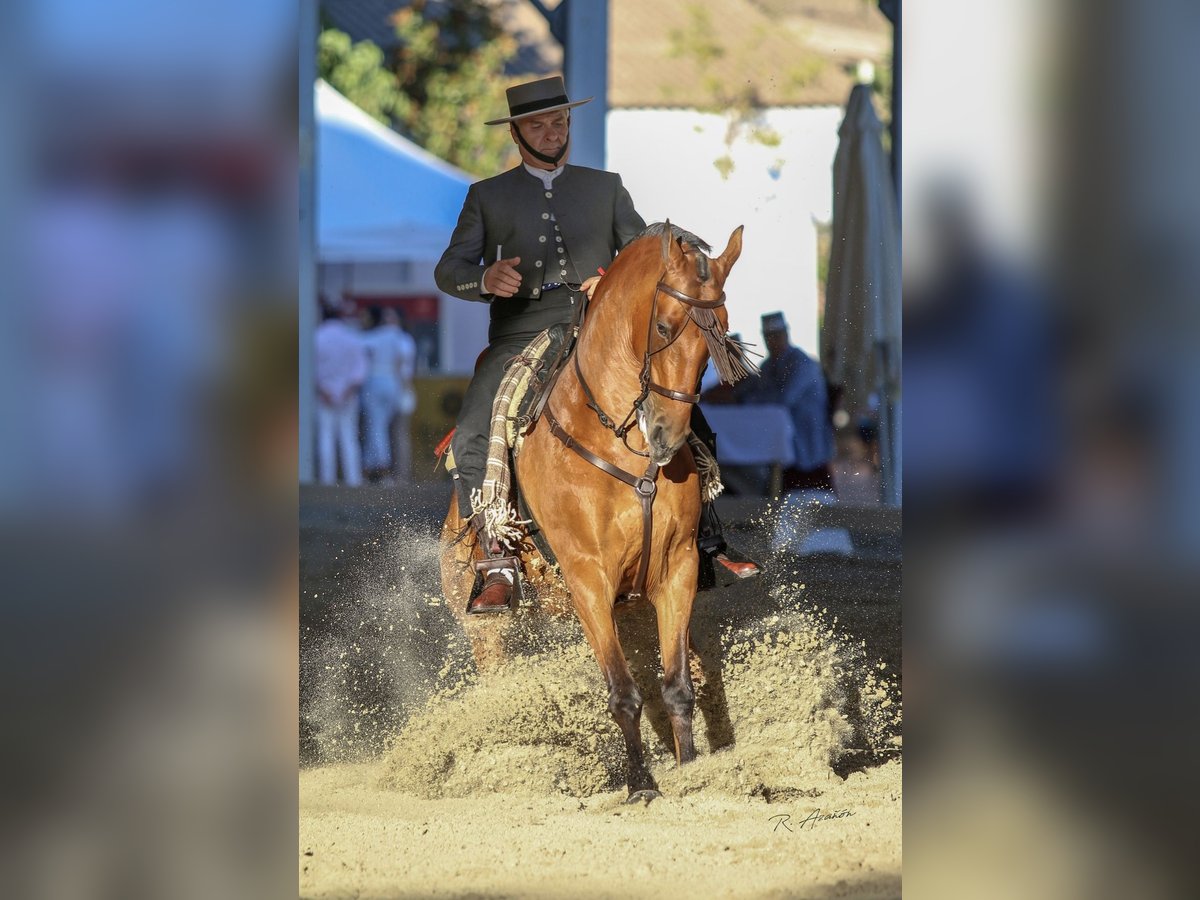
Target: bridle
644, 380
645, 485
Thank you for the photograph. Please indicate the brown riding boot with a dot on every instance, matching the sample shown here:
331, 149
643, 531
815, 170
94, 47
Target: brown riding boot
496, 595
720, 564
497, 592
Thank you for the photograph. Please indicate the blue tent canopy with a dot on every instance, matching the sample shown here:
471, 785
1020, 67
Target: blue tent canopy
380, 197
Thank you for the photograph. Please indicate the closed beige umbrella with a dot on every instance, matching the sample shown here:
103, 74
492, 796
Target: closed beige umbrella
860, 337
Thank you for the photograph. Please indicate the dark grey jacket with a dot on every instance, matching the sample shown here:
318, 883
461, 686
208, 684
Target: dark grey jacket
561, 235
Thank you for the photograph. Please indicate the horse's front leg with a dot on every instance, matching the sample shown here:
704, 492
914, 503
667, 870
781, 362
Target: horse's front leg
673, 604
624, 699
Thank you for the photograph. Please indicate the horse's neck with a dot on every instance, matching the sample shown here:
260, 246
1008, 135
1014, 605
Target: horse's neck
612, 373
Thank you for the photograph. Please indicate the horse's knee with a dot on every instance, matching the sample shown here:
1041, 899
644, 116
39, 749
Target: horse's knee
679, 696
625, 705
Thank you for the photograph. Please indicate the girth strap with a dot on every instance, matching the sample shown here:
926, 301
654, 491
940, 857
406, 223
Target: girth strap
644, 487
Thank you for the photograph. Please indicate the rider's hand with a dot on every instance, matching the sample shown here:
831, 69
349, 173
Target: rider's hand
589, 286
501, 277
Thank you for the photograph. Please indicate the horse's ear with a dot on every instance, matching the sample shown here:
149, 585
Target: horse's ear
731, 252
666, 242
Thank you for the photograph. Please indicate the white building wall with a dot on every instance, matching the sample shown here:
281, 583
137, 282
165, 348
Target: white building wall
666, 159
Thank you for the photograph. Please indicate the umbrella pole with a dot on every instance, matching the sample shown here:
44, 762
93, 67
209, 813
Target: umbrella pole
889, 414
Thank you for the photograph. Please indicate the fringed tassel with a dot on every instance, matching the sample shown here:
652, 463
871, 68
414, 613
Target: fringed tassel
706, 466
730, 357
741, 364
499, 518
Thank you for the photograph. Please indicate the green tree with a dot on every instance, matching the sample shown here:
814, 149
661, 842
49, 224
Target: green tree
451, 66
443, 82
357, 71
451, 69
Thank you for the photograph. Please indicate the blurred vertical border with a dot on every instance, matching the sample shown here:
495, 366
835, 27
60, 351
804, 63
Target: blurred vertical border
1052, 532
149, 463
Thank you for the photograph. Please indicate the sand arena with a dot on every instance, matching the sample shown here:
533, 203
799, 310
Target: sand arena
425, 780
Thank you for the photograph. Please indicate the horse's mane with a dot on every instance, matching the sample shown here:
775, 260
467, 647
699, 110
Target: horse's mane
657, 229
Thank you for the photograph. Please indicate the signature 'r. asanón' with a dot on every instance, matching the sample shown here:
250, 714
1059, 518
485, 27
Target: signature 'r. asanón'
784, 820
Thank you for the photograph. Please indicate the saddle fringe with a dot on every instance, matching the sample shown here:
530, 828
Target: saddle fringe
499, 518
492, 502
706, 465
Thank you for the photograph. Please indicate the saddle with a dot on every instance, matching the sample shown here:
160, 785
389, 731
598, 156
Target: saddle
519, 403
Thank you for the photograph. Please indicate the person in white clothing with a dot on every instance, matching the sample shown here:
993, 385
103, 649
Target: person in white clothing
341, 369
388, 397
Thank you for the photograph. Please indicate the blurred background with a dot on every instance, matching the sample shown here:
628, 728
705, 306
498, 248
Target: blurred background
152, 184
714, 114
147, 493
1050, 237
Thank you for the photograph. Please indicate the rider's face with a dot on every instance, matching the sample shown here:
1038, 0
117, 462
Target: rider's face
546, 134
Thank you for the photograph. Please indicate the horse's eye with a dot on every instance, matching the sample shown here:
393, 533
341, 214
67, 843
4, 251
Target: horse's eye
663, 331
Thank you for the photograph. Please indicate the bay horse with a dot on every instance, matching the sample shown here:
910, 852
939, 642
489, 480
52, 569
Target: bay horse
609, 477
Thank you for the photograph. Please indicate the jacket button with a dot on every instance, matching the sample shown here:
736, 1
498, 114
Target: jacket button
548, 194
534, 292
546, 216
541, 239
538, 263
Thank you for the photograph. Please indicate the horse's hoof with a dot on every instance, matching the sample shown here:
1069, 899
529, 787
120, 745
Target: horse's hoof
646, 797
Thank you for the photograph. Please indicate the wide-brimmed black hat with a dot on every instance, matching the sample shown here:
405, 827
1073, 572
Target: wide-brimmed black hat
536, 97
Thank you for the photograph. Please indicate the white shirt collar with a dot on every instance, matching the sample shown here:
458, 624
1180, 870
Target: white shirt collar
547, 178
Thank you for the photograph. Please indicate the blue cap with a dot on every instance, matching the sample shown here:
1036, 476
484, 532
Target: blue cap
774, 322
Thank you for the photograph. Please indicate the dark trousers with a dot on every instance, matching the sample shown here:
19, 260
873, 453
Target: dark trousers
819, 479
470, 441
515, 322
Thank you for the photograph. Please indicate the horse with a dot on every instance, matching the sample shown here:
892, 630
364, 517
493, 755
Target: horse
619, 505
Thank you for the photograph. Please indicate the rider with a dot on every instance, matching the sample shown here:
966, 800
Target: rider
530, 242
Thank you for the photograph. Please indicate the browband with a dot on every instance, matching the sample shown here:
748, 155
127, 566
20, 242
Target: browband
691, 301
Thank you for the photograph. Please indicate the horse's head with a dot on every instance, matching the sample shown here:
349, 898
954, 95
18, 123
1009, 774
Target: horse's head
687, 324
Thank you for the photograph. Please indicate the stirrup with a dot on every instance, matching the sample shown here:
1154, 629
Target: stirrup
509, 563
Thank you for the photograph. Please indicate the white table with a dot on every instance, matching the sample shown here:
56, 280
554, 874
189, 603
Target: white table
753, 435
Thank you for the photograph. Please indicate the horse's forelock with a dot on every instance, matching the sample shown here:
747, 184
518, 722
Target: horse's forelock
699, 246
730, 358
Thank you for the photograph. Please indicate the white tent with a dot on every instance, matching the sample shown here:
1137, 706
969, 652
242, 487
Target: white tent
380, 197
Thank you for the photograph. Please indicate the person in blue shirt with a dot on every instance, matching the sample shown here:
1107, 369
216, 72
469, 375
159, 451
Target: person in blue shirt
790, 377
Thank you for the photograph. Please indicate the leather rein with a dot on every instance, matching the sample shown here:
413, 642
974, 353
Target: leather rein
645, 485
